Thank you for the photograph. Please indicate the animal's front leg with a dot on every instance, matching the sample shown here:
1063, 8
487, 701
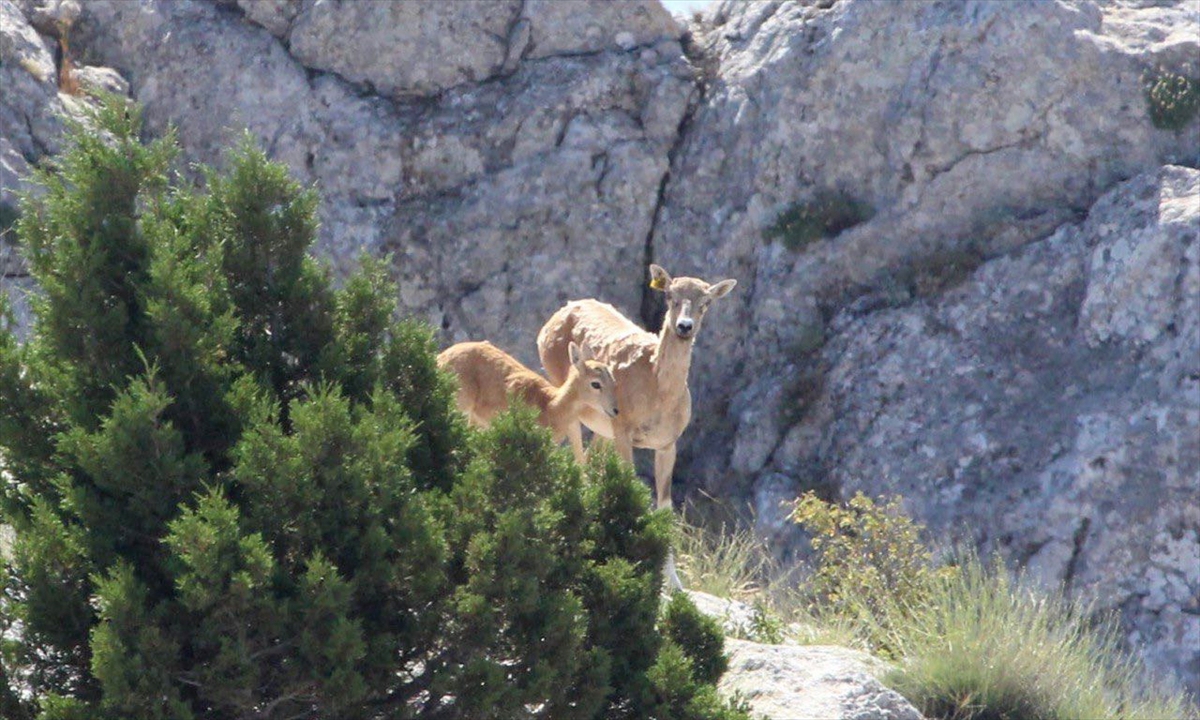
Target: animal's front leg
664, 467
623, 439
575, 435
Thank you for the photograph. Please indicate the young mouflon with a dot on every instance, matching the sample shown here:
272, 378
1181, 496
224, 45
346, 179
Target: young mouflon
487, 376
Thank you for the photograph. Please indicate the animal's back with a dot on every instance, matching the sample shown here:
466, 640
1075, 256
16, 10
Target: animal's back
616, 340
487, 375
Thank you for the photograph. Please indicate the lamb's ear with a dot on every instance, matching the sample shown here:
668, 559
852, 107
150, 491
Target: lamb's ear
585, 353
659, 278
721, 289
575, 354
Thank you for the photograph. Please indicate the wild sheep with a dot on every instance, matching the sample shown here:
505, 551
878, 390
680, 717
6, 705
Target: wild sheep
487, 376
651, 371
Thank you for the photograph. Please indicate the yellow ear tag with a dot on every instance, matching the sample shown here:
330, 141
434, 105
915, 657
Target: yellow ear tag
658, 283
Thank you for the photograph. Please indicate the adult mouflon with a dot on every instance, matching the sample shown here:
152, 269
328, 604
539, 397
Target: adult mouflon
651, 371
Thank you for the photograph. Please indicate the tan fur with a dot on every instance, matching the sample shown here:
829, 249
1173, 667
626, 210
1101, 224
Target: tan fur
487, 376
651, 371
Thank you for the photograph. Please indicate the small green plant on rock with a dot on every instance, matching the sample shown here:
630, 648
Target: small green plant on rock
722, 558
825, 214
766, 626
972, 641
1173, 99
870, 563
986, 646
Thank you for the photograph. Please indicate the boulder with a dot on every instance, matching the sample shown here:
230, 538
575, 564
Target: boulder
412, 49
736, 617
561, 27
785, 682
403, 48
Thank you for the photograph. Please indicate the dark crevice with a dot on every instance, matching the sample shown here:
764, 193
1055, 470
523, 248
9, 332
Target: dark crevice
39, 148
652, 309
567, 116
632, 50
239, 12
366, 203
947, 167
601, 164
1073, 564
509, 65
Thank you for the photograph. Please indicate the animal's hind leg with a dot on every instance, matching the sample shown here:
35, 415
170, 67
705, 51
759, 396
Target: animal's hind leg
466, 406
553, 340
664, 467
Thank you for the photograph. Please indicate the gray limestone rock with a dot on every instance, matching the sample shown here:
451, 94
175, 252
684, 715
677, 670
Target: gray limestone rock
785, 682
31, 110
499, 196
404, 48
968, 128
1048, 407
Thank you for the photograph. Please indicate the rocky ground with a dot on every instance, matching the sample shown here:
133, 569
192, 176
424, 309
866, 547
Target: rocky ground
783, 682
1010, 340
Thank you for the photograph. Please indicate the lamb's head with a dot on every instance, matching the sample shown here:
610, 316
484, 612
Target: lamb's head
687, 300
599, 389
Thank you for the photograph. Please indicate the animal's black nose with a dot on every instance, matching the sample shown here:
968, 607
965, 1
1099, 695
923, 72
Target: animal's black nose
684, 325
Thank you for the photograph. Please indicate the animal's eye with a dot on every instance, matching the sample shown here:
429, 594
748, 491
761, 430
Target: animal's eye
596, 384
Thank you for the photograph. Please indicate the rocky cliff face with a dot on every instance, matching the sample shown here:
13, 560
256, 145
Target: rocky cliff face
1008, 340
509, 154
1048, 407
1027, 382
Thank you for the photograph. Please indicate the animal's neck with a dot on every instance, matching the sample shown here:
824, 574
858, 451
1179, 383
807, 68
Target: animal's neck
565, 396
672, 359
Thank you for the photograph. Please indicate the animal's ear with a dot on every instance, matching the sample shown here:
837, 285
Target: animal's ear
659, 278
575, 354
721, 289
585, 353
